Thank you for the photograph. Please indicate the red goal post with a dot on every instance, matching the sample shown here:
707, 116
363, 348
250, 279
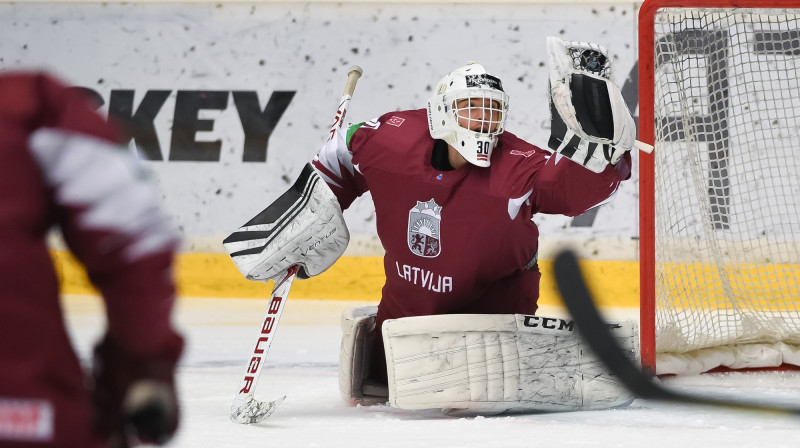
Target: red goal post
719, 98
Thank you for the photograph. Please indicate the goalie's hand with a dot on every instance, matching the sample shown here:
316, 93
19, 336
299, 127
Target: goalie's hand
590, 122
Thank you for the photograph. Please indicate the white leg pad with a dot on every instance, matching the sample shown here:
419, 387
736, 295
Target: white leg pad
358, 331
471, 364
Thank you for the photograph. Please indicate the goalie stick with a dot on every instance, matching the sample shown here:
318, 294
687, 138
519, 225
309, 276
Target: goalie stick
245, 408
644, 147
594, 330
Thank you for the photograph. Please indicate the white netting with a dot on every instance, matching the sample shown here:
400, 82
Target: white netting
727, 180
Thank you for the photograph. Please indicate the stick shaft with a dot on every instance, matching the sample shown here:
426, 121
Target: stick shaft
344, 103
353, 74
644, 147
266, 334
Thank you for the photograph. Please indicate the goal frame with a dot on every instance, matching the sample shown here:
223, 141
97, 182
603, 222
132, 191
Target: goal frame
647, 258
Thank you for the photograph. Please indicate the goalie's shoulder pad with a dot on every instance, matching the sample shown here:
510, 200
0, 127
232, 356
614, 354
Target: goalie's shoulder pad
304, 226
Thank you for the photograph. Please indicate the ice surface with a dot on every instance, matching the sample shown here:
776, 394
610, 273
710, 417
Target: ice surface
302, 364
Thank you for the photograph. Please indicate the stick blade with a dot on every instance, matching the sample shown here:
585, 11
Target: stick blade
591, 325
254, 411
594, 330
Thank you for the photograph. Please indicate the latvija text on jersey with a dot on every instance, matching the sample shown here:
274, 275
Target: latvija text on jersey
424, 278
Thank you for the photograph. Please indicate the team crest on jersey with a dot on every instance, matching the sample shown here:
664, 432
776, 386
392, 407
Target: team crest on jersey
424, 224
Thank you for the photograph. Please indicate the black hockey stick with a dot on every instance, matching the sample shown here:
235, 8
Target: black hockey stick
594, 330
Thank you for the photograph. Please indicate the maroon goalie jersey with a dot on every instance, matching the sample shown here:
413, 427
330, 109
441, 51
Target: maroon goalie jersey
458, 241
59, 167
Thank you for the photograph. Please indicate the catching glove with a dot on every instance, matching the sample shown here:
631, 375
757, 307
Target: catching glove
590, 122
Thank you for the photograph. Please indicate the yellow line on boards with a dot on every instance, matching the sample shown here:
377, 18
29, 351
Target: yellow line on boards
616, 283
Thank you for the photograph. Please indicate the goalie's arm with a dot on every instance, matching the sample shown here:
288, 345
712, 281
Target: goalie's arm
565, 188
304, 226
334, 163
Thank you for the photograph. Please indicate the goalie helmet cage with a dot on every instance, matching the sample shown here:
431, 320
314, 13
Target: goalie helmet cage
720, 195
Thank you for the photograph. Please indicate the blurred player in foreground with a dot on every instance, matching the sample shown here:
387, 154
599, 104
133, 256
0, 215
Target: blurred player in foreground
60, 167
454, 195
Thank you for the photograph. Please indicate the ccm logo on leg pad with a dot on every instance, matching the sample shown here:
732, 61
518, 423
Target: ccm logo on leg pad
550, 323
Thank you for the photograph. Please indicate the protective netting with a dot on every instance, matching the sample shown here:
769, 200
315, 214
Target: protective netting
727, 180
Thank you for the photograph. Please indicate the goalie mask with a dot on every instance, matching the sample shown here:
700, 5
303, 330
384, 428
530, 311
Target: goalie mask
469, 112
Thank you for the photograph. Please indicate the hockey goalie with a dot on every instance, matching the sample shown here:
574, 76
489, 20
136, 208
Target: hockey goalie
454, 194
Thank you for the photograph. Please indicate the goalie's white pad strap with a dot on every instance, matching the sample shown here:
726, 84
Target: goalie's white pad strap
489, 364
358, 331
304, 226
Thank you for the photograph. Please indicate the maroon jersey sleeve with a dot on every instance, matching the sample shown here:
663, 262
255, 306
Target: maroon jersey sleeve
566, 188
334, 163
60, 167
99, 197
550, 183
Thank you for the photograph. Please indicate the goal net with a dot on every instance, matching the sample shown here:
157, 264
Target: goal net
720, 195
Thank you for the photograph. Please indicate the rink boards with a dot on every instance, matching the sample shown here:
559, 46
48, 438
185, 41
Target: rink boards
356, 278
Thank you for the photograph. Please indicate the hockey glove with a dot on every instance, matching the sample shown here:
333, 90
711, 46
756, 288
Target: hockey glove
590, 122
134, 399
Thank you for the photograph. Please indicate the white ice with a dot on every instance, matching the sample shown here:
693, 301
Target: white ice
302, 364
